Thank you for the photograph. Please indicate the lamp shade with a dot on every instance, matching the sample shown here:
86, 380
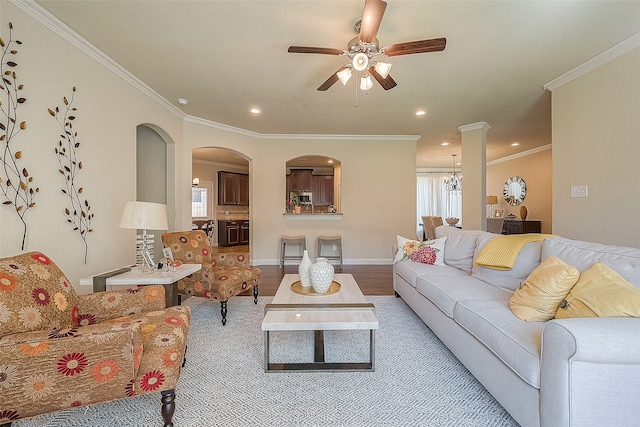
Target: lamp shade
492, 200
144, 215
360, 61
383, 69
344, 75
366, 83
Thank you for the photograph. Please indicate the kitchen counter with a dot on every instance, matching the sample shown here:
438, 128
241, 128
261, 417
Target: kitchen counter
309, 215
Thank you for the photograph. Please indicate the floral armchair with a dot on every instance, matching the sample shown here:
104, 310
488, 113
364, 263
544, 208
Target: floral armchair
222, 276
60, 350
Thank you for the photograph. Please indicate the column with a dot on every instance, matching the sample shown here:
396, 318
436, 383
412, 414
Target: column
474, 162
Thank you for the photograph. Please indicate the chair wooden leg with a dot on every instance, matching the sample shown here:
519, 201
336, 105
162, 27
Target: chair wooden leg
223, 311
255, 294
184, 358
168, 400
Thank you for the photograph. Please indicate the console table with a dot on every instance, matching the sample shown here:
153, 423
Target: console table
521, 227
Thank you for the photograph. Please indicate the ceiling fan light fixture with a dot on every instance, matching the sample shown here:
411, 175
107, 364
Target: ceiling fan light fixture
344, 75
383, 69
365, 82
360, 61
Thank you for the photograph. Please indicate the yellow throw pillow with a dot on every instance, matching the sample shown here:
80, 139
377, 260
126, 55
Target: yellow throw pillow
539, 296
601, 292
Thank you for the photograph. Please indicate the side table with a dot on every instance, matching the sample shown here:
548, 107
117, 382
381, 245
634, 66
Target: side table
125, 276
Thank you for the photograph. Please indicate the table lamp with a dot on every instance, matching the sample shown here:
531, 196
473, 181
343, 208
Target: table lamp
144, 216
492, 200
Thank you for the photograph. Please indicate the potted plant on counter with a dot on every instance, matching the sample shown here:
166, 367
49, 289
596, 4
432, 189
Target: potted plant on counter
294, 201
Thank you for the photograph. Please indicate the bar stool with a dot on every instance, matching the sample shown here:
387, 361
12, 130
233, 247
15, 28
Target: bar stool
291, 240
330, 240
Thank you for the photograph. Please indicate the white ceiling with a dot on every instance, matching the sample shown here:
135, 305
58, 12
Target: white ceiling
226, 57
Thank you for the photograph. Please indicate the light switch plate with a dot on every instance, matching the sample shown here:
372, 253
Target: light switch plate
579, 191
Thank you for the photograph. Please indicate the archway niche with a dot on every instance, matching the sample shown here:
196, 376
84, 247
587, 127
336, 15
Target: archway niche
313, 181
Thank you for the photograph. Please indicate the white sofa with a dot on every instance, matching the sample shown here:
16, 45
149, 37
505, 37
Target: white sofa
569, 372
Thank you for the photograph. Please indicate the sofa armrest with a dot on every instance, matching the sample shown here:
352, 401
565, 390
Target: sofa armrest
52, 370
590, 372
101, 306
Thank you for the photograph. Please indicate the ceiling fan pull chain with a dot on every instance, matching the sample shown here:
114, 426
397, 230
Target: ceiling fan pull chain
356, 86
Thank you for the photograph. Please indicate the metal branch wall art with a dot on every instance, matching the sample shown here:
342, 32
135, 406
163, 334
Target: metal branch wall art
16, 184
78, 214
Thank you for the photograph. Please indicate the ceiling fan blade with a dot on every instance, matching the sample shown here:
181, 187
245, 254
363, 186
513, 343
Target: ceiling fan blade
387, 83
331, 80
371, 18
319, 50
420, 46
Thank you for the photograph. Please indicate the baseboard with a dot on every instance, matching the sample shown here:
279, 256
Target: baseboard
259, 262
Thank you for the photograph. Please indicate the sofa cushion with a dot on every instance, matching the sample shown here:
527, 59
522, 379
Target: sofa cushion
540, 295
582, 255
445, 291
407, 247
35, 295
460, 246
516, 342
410, 271
601, 292
510, 280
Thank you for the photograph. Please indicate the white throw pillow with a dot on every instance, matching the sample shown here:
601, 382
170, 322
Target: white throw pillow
427, 252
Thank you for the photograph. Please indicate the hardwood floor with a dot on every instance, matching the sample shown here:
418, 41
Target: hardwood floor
372, 279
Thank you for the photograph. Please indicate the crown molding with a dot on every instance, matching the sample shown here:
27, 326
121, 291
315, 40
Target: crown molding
595, 62
210, 123
522, 154
33, 9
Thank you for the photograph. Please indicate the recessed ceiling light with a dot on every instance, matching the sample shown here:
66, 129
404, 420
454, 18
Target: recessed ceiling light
515, 144
182, 101
255, 111
445, 143
420, 113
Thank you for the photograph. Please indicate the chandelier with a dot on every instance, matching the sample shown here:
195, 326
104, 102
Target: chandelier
453, 183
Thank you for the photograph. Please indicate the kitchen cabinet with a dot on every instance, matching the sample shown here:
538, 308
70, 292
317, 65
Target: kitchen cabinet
233, 188
301, 180
322, 190
233, 232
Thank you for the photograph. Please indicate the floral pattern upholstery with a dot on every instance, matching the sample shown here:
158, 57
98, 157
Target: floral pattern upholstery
223, 275
57, 353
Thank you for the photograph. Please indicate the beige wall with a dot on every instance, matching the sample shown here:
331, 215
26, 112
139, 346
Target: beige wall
596, 142
109, 110
378, 190
536, 171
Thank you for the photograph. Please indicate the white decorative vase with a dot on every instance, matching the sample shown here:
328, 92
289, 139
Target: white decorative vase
321, 275
303, 269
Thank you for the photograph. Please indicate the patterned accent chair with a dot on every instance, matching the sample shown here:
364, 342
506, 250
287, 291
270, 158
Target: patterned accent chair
60, 350
223, 275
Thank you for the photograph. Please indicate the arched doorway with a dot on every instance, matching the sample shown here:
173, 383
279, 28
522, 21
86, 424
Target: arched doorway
223, 174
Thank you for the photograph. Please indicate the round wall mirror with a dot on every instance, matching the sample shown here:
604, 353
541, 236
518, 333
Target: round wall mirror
514, 190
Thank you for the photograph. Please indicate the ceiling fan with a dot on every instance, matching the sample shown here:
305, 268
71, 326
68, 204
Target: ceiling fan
363, 50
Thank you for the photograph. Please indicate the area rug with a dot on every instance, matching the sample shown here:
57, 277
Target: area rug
417, 381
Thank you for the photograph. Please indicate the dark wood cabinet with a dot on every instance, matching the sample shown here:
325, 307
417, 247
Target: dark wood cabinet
244, 232
301, 180
233, 188
521, 227
322, 190
233, 232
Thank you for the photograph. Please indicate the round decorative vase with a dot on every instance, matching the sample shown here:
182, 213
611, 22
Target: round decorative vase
523, 212
321, 274
303, 269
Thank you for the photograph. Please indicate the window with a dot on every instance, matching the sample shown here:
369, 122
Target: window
199, 203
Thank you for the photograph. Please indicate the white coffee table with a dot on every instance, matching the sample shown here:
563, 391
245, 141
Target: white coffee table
346, 309
126, 276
